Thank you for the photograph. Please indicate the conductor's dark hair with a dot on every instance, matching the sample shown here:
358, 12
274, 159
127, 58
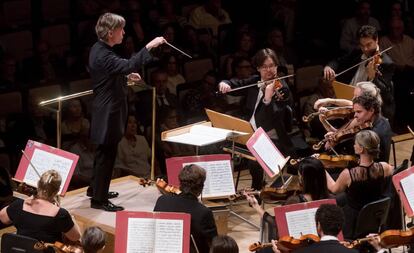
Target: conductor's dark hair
192, 179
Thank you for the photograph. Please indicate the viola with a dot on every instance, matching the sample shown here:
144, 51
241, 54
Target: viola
342, 135
162, 186
334, 113
330, 161
388, 239
288, 243
58, 247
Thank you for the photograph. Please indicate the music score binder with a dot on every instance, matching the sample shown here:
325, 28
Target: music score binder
152, 232
404, 185
44, 158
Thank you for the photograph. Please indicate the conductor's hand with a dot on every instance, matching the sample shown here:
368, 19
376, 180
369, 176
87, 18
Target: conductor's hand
328, 73
155, 42
224, 87
134, 77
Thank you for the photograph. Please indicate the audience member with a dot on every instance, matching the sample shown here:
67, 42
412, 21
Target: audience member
210, 15
171, 65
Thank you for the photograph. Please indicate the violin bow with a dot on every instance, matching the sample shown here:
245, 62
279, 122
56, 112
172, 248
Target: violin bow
31, 164
261, 83
411, 131
179, 50
368, 59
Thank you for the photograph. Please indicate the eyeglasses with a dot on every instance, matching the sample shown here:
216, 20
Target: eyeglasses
268, 66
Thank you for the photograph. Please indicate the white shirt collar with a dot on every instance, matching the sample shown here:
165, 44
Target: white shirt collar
329, 238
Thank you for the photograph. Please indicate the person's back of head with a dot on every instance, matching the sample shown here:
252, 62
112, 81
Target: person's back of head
329, 219
313, 178
93, 240
224, 244
192, 179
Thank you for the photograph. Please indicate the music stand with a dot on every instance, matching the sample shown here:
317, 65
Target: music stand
342, 90
60, 99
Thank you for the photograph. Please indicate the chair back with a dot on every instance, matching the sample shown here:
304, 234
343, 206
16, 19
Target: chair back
372, 217
13, 243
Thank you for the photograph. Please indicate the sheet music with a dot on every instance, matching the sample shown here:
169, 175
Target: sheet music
219, 178
44, 161
267, 152
140, 235
407, 184
169, 236
301, 222
214, 131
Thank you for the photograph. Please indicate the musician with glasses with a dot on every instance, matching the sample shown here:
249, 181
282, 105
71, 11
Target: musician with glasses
266, 106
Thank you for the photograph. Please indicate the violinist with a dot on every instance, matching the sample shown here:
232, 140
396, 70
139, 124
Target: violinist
39, 216
266, 106
367, 110
312, 178
363, 184
203, 227
329, 219
379, 70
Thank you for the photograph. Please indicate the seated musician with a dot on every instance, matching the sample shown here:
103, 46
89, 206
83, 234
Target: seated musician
360, 88
93, 240
367, 110
329, 219
39, 216
379, 70
203, 226
265, 106
363, 184
224, 244
313, 181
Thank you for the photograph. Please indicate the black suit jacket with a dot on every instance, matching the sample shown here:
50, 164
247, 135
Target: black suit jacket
109, 109
330, 246
203, 226
383, 81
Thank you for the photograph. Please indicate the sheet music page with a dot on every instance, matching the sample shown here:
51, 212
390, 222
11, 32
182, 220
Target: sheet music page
44, 161
169, 236
219, 178
301, 222
141, 235
194, 139
407, 184
267, 152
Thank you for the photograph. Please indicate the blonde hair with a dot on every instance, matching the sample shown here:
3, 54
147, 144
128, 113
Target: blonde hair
370, 89
108, 22
48, 185
370, 141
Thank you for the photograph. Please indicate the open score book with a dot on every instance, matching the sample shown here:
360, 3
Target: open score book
202, 134
149, 232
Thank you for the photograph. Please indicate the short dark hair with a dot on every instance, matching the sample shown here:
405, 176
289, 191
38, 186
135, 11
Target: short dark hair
260, 57
313, 178
368, 31
331, 218
224, 244
192, 179
368, 102
93, 239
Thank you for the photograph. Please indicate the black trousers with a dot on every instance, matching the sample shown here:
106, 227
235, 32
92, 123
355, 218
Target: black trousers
102, 171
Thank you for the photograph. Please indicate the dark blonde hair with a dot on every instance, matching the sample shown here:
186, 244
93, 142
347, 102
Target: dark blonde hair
370, 141
48, 185
108, 22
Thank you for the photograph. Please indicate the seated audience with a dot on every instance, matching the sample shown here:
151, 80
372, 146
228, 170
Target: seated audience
210, 15
134, 153
203, 226
40, 216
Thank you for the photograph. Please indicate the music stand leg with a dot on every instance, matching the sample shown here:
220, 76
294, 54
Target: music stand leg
242, 218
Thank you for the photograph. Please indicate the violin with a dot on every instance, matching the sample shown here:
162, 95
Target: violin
262, 84
330, 161
287, 243
240, 194
334, 113
58, 247
162, 186
342, 135
388, 239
